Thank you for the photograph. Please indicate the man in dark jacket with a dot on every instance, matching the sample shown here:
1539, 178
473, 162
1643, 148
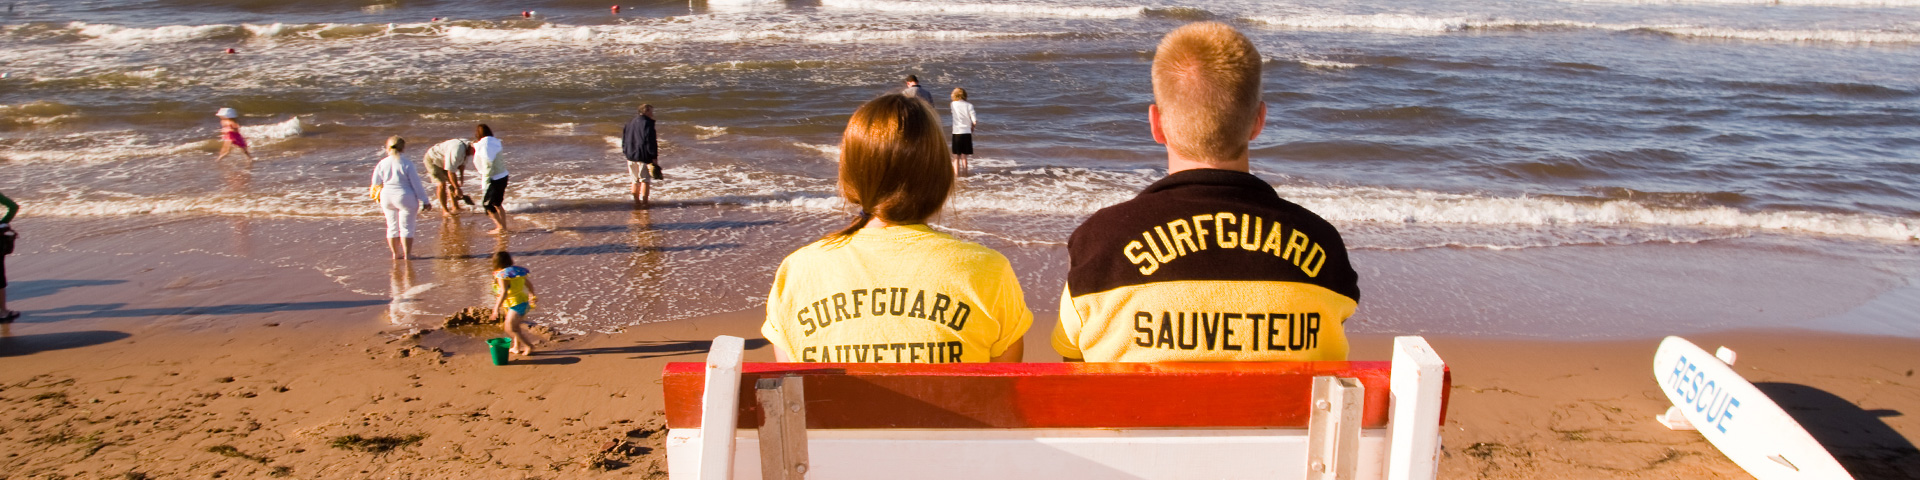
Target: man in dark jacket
642, 147
914, 90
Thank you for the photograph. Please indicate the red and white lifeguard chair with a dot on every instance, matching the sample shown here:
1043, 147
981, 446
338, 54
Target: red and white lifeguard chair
1310, 420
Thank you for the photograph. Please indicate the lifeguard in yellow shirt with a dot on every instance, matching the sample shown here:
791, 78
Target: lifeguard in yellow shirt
888, 289
1209, 263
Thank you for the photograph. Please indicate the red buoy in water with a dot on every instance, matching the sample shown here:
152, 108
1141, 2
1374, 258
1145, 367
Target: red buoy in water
230, 51
526, 14
616, 9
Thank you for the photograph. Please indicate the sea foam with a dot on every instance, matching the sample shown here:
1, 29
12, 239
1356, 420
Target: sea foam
652, 34
1434, 25
1813, 3
115, 34
1067, 193
985, 8
288, 128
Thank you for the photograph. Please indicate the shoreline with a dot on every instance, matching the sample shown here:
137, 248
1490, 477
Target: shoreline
227, 357
279, 393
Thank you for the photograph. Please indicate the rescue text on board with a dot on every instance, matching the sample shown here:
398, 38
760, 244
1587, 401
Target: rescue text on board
1704, 396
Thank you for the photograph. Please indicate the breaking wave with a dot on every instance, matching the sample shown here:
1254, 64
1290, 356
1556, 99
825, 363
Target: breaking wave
1425, 24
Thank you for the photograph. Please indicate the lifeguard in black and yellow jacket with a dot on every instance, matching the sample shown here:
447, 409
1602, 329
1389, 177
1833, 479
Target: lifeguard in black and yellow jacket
1209, 263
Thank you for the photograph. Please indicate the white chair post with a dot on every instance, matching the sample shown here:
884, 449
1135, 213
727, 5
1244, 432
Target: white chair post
719, 407
1333, 428
1413, 431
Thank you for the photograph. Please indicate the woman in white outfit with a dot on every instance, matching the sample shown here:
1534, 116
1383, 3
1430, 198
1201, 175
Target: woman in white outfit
396, 186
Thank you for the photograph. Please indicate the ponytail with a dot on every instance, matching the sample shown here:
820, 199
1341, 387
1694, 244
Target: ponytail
847, 232
894, 163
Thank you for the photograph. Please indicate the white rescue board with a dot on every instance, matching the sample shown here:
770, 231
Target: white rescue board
1737, 418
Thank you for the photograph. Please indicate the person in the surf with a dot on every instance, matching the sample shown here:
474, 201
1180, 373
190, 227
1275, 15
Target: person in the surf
230, 137
7, 238
914, 90
640, 143
493, 174
447, 163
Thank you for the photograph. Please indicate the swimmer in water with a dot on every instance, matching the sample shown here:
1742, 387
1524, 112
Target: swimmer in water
230, 134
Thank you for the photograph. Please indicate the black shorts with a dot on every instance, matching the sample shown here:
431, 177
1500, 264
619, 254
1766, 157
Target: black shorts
9, 239
496, 194
963, 144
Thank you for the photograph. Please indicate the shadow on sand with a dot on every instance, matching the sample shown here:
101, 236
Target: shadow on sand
119, 310
670, 227
613, 205
25, 289
1864, 444
17, 345
627, 205
544, 358
601, 249
657, 348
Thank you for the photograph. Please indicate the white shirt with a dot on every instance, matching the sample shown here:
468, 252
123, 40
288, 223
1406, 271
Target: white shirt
449, 155
486, 157
396, 175
962, 117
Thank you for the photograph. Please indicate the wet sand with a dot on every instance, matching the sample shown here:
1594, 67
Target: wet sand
208, 346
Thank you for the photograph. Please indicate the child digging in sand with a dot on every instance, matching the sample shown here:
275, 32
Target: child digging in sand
516, 296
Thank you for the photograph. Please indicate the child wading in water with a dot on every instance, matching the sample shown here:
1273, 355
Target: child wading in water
516, 298
230, 134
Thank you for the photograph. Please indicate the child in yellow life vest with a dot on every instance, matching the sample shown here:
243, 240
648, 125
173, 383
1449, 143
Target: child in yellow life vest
516, 294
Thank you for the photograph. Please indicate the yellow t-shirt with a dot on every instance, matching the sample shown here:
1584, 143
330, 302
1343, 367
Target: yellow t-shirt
899, 294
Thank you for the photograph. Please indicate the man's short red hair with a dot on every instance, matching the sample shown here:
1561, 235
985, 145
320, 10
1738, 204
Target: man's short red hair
1206, 84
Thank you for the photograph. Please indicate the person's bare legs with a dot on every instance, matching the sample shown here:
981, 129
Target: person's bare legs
646, 193
499, 217
457, 192
225, 148
634, 172
497, 213
445, 193
394, 246
514, 326
406, 248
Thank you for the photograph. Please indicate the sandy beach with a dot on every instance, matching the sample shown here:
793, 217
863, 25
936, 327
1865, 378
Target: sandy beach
1543, 188
179, 362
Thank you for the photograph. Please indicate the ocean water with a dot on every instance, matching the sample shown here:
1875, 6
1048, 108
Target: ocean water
1453, 124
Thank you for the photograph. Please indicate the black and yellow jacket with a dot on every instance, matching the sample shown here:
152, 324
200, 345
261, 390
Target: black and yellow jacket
1206, 265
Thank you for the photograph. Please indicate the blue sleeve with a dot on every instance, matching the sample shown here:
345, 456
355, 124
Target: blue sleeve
631, 140
649, 141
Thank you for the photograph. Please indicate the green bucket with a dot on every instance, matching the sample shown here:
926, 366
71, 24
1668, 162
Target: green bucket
500, 346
